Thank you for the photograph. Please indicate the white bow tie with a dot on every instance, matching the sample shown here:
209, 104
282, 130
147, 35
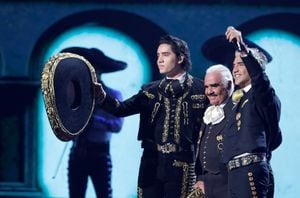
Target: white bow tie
213, 114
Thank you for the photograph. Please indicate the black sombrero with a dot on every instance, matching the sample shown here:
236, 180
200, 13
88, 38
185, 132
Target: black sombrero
218, 50
67, 86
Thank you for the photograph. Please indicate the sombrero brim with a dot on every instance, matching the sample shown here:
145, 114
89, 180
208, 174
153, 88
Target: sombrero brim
67, 87
217, 49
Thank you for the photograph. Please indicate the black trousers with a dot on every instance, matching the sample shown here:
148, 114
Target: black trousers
215, 185
93, 161
162, 189
249, 181
164, 176
271, 185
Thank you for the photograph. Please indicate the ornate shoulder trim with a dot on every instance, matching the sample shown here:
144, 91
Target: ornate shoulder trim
149, 95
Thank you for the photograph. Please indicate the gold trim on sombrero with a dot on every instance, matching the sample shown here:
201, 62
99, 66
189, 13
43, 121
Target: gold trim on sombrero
48, 92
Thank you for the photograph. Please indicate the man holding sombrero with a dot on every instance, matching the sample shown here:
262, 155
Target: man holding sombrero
171, 112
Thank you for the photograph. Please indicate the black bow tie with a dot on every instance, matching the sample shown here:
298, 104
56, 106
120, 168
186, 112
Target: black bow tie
171, 87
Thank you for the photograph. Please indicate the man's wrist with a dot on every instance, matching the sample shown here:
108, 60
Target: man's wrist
100, 99
244, 54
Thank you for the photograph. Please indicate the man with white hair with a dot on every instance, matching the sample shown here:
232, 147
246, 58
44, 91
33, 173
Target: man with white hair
211, 176
252, 131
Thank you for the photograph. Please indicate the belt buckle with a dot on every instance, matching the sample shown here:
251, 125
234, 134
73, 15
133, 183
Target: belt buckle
167, 148
247, 160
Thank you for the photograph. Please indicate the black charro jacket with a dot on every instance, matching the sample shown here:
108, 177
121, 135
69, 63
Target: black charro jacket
154, 108
211, 144
254, 124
